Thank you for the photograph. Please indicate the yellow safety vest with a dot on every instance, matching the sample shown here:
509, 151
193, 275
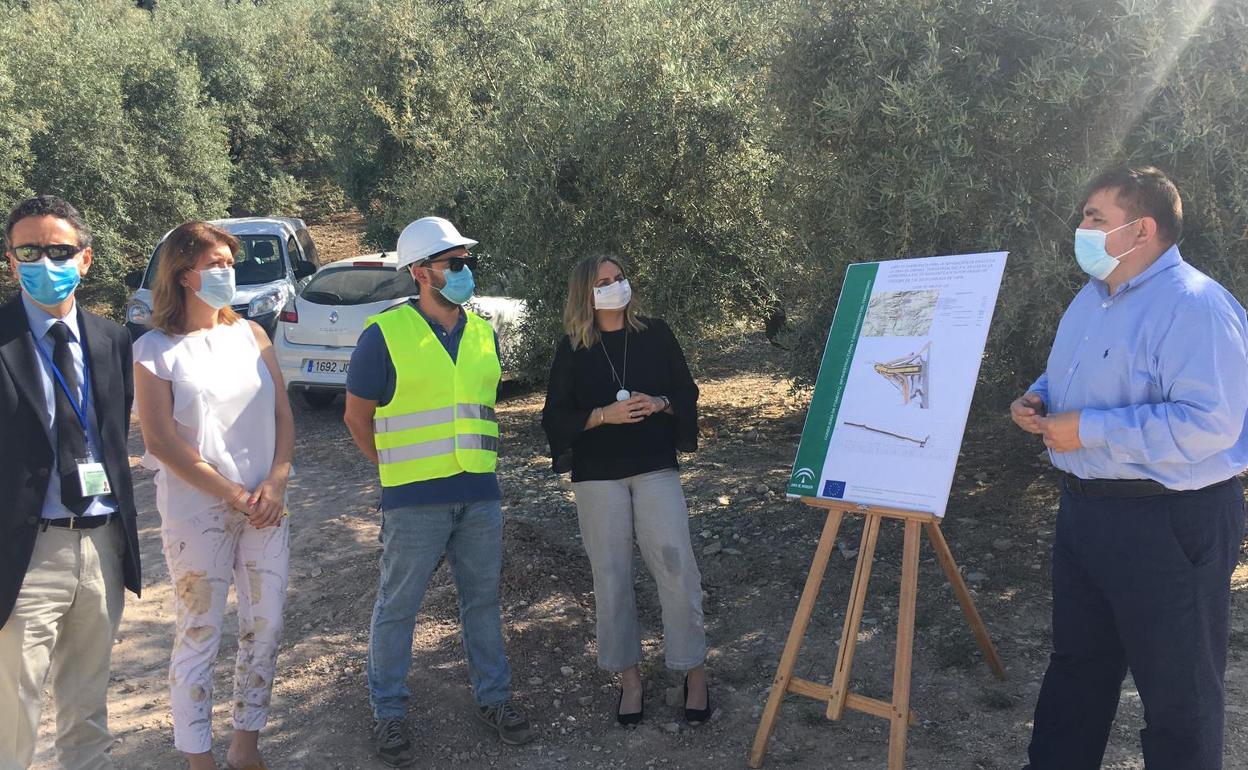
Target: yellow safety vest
441, 420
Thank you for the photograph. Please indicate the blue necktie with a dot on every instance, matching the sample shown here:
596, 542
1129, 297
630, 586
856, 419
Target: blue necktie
71, 444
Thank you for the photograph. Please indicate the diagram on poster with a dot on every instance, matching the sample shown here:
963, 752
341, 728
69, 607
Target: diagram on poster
908, 374
896, 381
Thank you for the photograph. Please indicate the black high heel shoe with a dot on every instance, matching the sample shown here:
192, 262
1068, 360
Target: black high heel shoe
697, 716
632, 719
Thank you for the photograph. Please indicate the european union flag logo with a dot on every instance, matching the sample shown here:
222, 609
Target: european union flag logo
834, 489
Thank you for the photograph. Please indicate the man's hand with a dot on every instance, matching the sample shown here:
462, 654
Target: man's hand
1027, 411
1061, 431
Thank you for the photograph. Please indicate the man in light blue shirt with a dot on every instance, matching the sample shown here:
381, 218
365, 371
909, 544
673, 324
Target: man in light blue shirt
70, 544
41, 323
1143, 408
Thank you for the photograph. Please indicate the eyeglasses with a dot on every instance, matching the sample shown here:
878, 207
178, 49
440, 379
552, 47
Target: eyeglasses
57, 252
454, 264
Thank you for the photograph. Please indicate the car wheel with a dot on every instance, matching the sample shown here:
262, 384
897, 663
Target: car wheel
318, 399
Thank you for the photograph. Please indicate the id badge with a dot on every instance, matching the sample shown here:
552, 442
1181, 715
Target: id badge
92, 478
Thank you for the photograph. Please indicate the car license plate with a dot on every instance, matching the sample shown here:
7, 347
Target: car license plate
321, 366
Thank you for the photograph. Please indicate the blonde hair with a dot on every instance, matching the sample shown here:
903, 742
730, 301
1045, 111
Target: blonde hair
179, 253
578, 314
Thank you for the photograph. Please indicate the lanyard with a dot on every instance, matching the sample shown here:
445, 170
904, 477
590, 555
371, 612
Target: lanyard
79, 411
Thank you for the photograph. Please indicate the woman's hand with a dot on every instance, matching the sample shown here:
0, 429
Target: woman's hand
651, 404
266, 504
626, 412
238, 501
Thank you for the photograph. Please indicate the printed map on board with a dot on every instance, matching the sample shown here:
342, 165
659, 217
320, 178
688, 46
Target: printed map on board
896, 380
900, 313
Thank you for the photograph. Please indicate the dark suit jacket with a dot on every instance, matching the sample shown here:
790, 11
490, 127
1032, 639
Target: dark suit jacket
27, 450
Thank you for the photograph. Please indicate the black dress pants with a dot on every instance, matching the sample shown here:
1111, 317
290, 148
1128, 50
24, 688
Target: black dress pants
1141, 584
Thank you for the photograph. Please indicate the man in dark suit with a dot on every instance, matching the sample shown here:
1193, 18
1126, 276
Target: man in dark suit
68, 540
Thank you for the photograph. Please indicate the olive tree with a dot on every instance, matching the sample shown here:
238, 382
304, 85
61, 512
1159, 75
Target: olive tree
553, 132
915, 129
106, 117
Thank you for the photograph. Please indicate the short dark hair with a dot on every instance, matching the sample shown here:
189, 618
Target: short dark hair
1144, 191
48, 206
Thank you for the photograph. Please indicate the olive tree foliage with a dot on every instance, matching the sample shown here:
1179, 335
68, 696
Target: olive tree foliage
552, 131
147, 118
410, 100
920, 128
735, 154
98, 113
15, 156
266, 71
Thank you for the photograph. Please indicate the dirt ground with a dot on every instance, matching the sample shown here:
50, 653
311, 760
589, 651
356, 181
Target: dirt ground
754, 549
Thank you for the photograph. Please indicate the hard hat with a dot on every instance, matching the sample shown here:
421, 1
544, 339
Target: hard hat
428, 236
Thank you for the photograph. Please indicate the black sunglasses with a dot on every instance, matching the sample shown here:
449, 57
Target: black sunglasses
455, 264
57, 252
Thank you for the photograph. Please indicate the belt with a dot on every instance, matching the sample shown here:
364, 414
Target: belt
79, 522
1124, 487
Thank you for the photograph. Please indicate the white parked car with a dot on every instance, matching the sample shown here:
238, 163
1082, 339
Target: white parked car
318, 329
276, 252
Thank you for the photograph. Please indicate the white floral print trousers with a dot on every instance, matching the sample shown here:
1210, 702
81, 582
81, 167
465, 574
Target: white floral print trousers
205, 553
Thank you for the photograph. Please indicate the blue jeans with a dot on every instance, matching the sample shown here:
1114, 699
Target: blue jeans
413, 540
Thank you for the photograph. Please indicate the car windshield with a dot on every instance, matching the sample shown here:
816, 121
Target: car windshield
258, 261
358, 286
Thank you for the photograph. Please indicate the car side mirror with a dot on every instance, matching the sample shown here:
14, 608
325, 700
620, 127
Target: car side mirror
134, 279
303, 269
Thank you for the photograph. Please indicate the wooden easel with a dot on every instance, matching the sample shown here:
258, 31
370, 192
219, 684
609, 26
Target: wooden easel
897, 711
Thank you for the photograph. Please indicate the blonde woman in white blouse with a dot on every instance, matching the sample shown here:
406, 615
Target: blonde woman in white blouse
218, 429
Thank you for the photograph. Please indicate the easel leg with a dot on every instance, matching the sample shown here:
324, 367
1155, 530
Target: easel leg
788, 659
853, 616
900, 719
945, 556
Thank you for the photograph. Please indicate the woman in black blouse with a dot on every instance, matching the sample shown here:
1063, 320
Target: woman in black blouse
620, 402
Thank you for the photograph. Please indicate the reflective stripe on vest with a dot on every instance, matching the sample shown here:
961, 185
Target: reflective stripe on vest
439, 447
433, 417
441, 420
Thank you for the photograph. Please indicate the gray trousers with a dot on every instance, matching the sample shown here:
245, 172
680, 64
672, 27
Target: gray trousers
650, 506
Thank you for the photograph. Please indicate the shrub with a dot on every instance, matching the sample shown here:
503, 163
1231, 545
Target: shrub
111, 122
631, 128
265, 70
934, 128
738, 154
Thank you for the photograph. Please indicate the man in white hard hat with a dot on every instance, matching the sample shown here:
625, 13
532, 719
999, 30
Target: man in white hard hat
420, 404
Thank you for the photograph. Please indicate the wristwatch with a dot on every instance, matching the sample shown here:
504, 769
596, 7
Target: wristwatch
667, 403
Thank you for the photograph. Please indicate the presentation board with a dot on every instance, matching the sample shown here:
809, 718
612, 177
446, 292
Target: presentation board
896, 380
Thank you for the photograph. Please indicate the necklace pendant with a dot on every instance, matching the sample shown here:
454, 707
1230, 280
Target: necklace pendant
622, 395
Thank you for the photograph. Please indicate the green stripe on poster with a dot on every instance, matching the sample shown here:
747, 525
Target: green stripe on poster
851, 309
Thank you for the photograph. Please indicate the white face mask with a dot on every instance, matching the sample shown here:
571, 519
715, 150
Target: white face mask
216, 286
1090, 251
613, 296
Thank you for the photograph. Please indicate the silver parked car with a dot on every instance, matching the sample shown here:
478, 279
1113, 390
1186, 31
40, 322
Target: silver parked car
276, 253
318, 329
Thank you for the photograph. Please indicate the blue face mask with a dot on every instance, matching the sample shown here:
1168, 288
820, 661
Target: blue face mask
1091, 255
49, 282
216, 286
459, 286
